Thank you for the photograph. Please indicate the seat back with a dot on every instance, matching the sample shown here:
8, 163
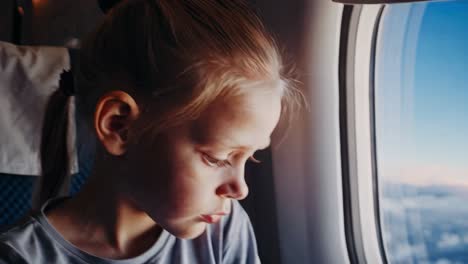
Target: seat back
15, 197
19, 163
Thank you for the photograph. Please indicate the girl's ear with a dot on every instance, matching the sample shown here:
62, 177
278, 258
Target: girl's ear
115, 113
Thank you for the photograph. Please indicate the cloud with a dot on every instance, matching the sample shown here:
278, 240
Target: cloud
449, 240
424, 224
404, 252
465, 238
443, 261
442, 207
446, 261
426, 174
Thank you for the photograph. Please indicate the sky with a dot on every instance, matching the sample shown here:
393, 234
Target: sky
421, 104
422, 93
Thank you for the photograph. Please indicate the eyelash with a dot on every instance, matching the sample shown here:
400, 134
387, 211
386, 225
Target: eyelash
223, 163
254, 160
215, 162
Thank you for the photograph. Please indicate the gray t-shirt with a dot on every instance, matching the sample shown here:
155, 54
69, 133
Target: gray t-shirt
231, 240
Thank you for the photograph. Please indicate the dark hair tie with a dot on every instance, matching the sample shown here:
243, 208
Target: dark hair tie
66, 83
106, 5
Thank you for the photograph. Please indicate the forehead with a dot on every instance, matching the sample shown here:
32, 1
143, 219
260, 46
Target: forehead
245, 120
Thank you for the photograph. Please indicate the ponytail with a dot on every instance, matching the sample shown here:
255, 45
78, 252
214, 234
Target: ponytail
53, 153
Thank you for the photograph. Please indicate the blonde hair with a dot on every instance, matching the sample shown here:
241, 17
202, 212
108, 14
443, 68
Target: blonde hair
179, 54
177, 57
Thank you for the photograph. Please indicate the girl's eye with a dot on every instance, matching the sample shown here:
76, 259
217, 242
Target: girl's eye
215, 162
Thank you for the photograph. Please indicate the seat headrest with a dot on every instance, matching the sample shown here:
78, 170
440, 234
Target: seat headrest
28, 76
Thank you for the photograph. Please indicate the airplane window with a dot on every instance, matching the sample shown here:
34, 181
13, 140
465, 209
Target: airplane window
421, 124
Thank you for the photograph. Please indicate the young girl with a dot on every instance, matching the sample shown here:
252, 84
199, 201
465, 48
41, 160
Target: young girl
179, 94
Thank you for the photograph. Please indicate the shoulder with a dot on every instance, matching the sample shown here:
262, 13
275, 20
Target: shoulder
9, 255
17, 242
229, 241
240, 245
19, 230
236, 222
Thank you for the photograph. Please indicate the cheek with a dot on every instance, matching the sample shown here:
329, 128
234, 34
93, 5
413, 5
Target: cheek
172, 182
192, 186
182, 185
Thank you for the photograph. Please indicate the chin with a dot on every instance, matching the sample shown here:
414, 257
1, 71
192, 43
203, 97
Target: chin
190, 232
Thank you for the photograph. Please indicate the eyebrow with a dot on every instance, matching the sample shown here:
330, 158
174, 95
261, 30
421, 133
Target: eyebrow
247, 147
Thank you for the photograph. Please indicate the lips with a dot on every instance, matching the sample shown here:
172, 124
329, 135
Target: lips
212, 218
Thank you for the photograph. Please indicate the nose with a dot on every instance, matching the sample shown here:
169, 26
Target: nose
234, 187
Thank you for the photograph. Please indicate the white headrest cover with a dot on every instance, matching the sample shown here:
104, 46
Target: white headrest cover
28, 76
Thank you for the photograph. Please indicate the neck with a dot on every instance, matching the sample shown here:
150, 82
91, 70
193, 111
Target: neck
103, 221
